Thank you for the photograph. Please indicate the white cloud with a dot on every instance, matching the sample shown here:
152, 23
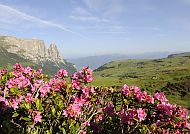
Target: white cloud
9, 15
96, 4
113, 32
107, 8
89, 18
82, 14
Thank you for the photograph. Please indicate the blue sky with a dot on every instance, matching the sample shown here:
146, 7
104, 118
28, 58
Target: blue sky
95, 27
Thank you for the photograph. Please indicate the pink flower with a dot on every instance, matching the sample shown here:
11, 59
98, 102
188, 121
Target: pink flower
44, 90
36, 116
80, 101
87, 123
29, 98
136, 90
88, 78
187, 125
166, 108
99, 118
20, 98
62, 73
65, 113
124, 116
82, 132
86, 91
141, 96
75, 84
28, 71
161, 97
36, 85
57, 84
183, 113
12, 83
2, 99
86, 74
23, 82
38, 73
179, 124
141, 114
18, 67
20, 82
92, 90
14, 104
109, 109
126, 90
3, 72
74, 110
150, 99
18, 70
158, 123
75, 76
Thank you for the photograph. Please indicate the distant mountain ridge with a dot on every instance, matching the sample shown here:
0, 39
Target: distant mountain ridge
96, 61
34, 52
185, 54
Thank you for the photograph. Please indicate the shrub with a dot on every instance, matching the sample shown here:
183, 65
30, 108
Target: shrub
32, 103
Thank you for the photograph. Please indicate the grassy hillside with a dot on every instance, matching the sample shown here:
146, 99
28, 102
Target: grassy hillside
150, 75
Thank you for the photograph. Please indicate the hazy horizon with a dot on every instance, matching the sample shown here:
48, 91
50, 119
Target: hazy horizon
97, 27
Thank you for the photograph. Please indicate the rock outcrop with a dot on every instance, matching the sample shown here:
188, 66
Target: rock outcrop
32, 49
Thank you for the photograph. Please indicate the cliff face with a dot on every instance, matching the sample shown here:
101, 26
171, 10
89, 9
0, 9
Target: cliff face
53, 53
32, 49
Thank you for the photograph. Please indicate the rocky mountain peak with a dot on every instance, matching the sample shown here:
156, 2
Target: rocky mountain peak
32, 52
53, 52
32, 49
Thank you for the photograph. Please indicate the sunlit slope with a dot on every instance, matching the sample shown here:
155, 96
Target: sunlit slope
150, 74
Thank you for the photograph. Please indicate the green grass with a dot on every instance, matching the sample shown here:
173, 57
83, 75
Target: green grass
144, 73
151, 75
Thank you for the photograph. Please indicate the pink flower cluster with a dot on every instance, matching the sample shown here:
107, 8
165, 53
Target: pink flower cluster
164, 114
83, 76
57, 84
77, 102
3, 72
25, 91
136, 92
36, 116
62, 74
128, 117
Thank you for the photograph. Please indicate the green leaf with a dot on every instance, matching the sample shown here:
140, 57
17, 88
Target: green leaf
26, 118
144, 129
12, 90
3, 77
178, 119
126, 101
53, 111
39, 105
73, 130
15, 115
28, 106
63, 131
48, 132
